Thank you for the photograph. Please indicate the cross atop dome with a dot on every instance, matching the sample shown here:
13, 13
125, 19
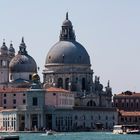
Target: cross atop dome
67, 16
22, 47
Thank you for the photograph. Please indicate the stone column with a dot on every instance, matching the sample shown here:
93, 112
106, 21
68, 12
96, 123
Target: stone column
42, 119
38, 121
29, 120
26, 120
17, 122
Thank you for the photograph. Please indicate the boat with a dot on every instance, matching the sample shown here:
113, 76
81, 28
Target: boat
49, 132
126, 129
117, 129
9, 137
133, 131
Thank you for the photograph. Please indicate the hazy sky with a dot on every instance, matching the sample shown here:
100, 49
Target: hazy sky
108, 29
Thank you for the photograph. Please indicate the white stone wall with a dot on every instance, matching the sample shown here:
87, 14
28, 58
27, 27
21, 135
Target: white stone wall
8, 121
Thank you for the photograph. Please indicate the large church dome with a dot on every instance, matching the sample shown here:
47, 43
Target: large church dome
67, 50
23, 62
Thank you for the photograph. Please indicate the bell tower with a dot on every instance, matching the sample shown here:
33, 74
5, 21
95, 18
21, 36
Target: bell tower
5, 58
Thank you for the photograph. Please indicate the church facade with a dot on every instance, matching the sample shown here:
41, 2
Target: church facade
69, 99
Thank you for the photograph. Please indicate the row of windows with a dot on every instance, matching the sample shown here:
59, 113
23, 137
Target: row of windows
127, 104
126, 100
34, 101
6, 107
5, 95
68, 84
130, 119
92, 117
14, 101
66, 102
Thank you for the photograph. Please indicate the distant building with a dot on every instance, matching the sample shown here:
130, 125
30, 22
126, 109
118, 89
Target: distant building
128, 104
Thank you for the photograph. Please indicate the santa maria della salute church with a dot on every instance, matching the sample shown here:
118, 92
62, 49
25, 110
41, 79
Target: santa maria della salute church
69, 99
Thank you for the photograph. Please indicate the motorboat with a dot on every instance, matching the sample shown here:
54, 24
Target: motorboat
49, 132
126, 129
136, 131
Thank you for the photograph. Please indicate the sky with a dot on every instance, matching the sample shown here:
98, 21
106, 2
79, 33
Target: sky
108, 29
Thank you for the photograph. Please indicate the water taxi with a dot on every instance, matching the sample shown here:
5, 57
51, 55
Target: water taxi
49, 132
126, 129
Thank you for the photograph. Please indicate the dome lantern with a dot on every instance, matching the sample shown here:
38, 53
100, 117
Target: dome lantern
11, 50
67, 50
22, 47
67, 32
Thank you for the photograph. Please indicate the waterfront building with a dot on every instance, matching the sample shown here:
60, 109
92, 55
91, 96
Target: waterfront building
128, 104
67, 100
68, 66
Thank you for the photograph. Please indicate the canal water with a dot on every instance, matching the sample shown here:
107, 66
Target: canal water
78, 136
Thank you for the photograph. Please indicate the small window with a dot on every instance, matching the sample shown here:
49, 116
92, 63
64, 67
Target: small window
4, 95
4, 107
30, 77
14, 107
35, 101
23, 94
54, 94
106, 117
11, 77
4, 101
76, 117
24, 101
14, 94
14, 101
113, 117
22, 118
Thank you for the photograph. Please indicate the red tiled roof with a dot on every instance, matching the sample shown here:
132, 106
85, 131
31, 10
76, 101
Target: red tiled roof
12, 90
130, 113
53, 89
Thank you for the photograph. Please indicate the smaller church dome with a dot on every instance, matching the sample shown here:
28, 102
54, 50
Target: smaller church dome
23, 62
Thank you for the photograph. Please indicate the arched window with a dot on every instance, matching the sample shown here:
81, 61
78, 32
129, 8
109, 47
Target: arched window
91, 103
60, 83
83, 84
30, 76
67, 83
76, 117
11, 77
